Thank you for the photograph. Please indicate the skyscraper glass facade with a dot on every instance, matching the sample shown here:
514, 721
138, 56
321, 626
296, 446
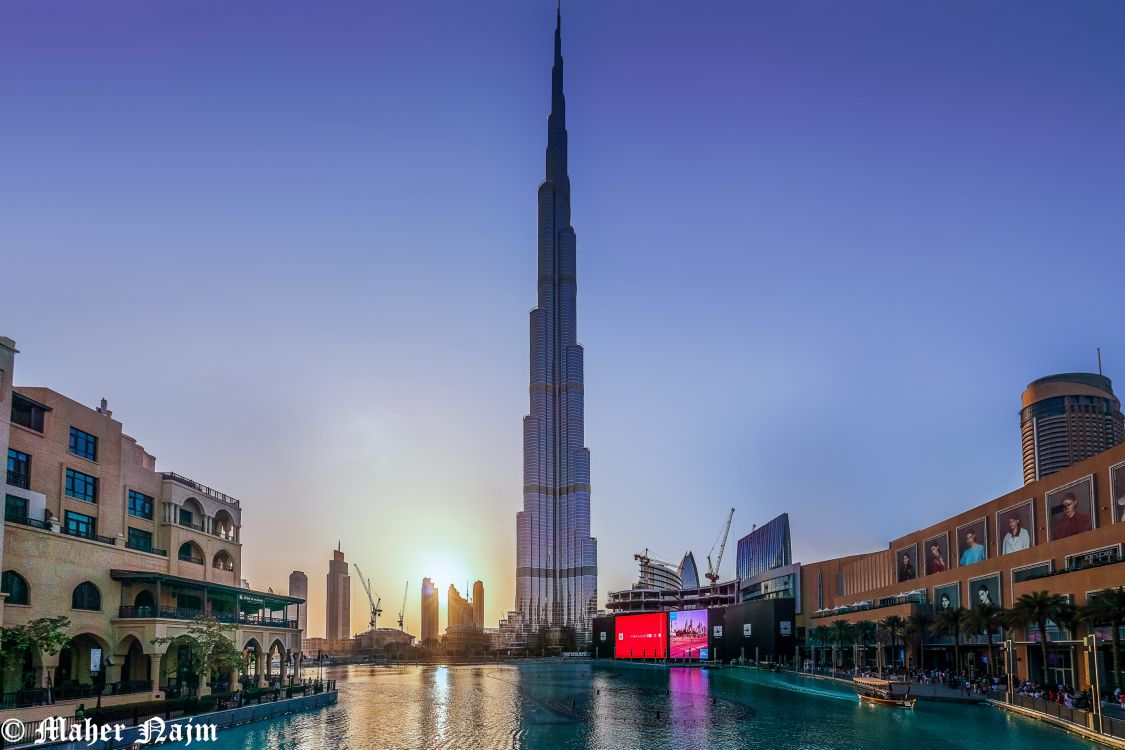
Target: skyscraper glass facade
556, 558
766, 548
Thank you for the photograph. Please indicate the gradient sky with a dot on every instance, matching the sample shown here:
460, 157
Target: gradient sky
822, 248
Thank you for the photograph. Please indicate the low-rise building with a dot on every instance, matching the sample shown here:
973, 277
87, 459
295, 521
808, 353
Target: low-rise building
129, 554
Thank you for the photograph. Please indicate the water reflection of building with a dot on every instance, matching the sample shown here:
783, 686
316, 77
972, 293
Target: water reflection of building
93, 531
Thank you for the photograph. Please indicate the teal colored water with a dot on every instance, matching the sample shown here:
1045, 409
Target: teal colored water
620, 706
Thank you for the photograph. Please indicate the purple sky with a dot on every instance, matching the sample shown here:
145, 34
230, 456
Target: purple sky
822, 249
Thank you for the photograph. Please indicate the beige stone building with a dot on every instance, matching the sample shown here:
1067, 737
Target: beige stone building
129, 554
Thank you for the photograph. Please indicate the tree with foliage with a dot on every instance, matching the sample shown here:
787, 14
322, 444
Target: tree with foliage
840, 635
949, 622
917, 625
210, 645
985, 619
47, 635
894, 626
1108, 607
1036, 608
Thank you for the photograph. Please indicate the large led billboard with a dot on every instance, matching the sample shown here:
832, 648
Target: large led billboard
641, 636
687, 634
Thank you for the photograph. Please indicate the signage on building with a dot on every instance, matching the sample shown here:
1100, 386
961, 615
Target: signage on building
717, 631
601, 636
95, 660
787, 627
704, 653
746, 629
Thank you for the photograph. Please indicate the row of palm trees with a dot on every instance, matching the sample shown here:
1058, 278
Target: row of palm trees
1035, 608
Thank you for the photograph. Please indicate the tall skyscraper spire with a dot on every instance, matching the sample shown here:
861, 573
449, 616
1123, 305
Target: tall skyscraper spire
556, 558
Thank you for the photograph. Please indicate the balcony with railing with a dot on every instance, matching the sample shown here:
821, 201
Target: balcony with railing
93, 537
185, 613
16, 479
24, 520
200, 488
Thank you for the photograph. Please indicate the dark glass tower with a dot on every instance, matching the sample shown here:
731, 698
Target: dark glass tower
556, 558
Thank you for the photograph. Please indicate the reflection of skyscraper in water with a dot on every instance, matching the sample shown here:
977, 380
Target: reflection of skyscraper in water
556, 558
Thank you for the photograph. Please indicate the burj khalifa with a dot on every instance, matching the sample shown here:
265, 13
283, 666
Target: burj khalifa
556, 558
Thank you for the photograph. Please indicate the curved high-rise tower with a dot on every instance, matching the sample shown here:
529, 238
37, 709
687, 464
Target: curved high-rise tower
556, 558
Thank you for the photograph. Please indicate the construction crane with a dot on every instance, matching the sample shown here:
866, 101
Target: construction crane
375, 599
713, 570
402, 609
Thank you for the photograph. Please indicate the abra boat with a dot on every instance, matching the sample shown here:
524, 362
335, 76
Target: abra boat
879, 693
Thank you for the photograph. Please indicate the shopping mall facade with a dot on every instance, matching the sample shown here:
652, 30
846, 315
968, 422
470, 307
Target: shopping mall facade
1062, 534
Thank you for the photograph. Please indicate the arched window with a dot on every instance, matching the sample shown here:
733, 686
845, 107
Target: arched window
191, 552
223, 561
86, 596
15, 586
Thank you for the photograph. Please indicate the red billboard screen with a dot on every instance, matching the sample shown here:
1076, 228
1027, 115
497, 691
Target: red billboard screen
687, 634
642, 636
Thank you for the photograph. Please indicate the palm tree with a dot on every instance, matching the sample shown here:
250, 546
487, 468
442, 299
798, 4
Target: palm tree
948, 622
986, 619
917, 625
840, 636
894, 626
821, 636
1108, 606
1036, 608
865, 633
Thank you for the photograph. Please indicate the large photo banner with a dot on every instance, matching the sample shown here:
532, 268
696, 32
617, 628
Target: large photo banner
936, 552
688, 634
1015, 527
907, 560
1117, 483
972, 542
1070, 509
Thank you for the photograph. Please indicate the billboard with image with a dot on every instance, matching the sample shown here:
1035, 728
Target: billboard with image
687, 634
906, 560
641, 636
1070, 509
935, 551
1015, 527
1117, 482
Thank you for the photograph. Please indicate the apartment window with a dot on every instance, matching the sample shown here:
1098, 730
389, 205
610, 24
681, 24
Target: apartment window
15, 508
83, 444
140, 505
81, 486
186, 518
19, 469
15, 586
27, 413
86, 596
81, 525
139, 539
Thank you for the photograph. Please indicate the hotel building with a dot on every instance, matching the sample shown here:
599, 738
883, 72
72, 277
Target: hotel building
1065, 419
338, 610
129, 554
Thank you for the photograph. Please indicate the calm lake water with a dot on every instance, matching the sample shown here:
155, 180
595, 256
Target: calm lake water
615, 706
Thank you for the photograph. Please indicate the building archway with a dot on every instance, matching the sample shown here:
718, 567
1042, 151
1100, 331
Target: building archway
82, 666
223, 561
191, 552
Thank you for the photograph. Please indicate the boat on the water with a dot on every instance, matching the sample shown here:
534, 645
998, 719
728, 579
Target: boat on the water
880, 693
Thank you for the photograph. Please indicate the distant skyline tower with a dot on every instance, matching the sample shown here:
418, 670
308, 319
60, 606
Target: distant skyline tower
556, 558
1067, 418
478, 604
429, 611
458, 609
299, 587
338, 614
